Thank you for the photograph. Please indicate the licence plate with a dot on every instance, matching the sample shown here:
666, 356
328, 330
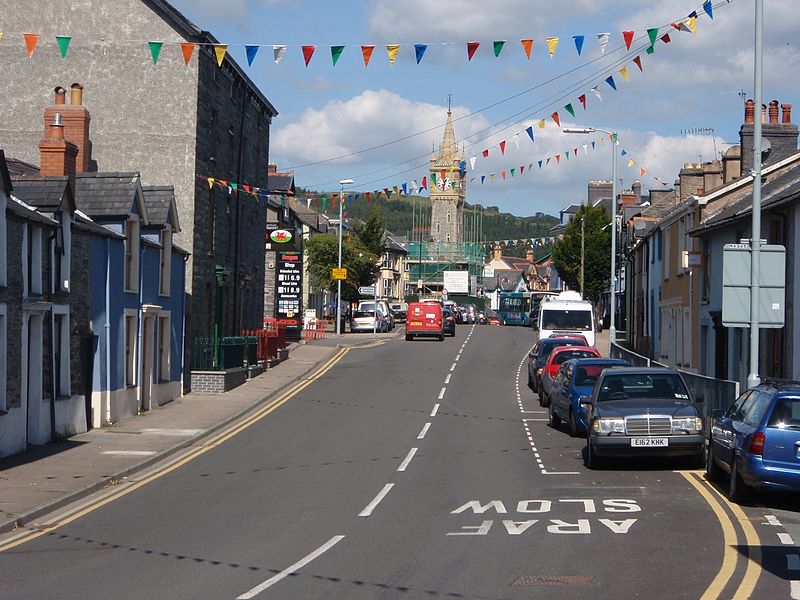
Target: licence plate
650, 442
417, 323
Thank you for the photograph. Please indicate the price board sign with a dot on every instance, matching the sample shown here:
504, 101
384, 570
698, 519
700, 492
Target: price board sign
289, 291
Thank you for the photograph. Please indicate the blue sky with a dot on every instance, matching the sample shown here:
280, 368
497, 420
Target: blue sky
384, 119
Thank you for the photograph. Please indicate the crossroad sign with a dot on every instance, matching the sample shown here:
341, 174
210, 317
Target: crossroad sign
339, 273
367, 290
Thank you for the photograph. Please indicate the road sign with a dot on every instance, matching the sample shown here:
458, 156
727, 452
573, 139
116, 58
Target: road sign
339, 273
367, 290
736, 286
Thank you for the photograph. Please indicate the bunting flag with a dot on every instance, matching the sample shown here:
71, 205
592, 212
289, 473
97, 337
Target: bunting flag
425, 183
558, 159
709, 10
570, 110
540, 165
512, 172
472, 161
541, 123
31, 39
391, 52
405, 189
555, 118
529, 131
691, 23
515, 139
210, 182
527, 45
596, 90
503, 173
219, 51
492, 176
278, 52
483, 179
63, 44
602, 39
641, 172
578, 43
653, 35
396, 191
498, 47
582, 100
552, 42
624, 72
366, 53
251, 51
187, 48
503, 147
419, 50
485, 154
155, 50
308, 52
336, 53
471, 49
610, 81
665, 38
567, 154
638, 61
631, 163
628, 37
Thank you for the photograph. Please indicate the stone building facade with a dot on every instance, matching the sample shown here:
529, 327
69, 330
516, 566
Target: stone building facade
449, 191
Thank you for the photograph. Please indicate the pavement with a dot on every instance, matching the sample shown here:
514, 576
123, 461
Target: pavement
46, 478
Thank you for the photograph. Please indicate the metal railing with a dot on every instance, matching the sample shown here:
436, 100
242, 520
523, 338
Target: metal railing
218, 354
716, 393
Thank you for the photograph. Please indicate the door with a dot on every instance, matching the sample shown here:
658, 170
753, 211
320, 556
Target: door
88, 349
145, 397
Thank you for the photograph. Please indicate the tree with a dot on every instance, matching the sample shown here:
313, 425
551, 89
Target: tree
370, 232
323, 256
597, 253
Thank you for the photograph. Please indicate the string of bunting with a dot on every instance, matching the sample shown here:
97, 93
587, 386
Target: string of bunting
63, 43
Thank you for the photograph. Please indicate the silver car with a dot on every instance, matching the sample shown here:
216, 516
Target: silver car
366, 321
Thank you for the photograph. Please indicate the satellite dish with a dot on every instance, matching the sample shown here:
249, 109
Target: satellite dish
766, 148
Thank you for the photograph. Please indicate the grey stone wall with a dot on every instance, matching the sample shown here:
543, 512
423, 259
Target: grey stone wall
11, 296
217, 382
79, 304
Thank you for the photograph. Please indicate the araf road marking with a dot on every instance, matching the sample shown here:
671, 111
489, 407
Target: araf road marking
289, 570
128, 453
786, 539
441, 393
795, 590
435, 409
376, 500
407, 459
424, 431
556, 526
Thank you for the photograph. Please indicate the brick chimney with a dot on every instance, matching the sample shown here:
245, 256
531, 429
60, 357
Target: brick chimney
529, 256
76, 119
781, 134
272, 169
497, 253
58, 156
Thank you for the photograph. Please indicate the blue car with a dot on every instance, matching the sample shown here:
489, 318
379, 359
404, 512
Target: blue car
756, 442
576, 378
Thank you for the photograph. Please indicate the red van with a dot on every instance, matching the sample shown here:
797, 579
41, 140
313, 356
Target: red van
424, 319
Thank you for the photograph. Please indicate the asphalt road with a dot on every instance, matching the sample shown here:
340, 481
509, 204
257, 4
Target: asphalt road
413, 470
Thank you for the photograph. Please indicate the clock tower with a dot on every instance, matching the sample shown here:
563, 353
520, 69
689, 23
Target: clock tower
450, 189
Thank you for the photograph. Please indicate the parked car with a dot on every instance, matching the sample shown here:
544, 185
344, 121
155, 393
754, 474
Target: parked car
574, 379
756, 442
553, 364
364, 321
448, 322
537, 358
424, 319
574, 336
398, 311
383, 307
642, 411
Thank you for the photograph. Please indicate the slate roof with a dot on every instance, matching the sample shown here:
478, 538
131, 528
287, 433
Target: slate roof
160, 201
45, 193
281, 182
391, 243
505, 280
20, 167
15, 206
86, 224
104, 195
4, 172
776, 191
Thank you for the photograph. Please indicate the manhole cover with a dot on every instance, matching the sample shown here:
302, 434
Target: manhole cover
533, 580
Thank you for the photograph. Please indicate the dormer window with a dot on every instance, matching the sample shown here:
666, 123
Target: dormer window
132, 254
165, 262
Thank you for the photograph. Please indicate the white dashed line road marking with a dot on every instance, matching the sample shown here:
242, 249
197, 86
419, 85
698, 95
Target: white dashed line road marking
441, 393
435, 410
295, 567
447, 379
772, 520
407, 460
424, 431
786, 539
376, 500
453, 367
795, 590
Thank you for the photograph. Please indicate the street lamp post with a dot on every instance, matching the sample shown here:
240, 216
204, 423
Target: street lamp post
342, 183
612, 330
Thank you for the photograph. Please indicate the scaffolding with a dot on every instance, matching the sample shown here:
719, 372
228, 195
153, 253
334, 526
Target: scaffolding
427, 262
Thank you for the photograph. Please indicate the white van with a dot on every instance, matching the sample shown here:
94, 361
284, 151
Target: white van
566, 313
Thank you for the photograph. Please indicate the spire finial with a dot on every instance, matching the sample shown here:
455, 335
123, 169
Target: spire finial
449, 100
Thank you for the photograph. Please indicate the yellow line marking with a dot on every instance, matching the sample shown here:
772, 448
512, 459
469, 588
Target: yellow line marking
168, 468
753, 571
717, 585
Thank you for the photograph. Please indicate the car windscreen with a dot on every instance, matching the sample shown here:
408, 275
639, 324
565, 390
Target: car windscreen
573, 320
366, 306
642, 385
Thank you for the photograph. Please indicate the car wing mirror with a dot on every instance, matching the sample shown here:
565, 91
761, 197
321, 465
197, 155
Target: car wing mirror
585, 400
717, 413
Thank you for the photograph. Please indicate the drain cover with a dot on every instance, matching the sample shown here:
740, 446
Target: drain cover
533, 580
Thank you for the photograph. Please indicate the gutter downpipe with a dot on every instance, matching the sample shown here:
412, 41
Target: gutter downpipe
107, 327
53, 374
183, 327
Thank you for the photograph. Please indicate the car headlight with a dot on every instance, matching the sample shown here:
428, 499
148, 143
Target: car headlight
687, 425
608, 425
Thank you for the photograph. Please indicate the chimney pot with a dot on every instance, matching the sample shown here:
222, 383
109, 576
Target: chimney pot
773, 112
787, 114
60, 94
749, 112
77, 94
56, 128
763, 114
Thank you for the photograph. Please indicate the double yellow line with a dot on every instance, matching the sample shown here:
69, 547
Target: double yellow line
61, 520
718, 504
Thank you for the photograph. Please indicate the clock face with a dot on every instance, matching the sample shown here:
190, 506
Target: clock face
444, 184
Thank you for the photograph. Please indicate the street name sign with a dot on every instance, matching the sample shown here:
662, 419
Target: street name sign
367, 290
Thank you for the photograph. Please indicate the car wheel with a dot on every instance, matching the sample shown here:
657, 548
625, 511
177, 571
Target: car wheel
552, 418
573, 424
713, 470
409, 337
592, 460
736, 488
441, 338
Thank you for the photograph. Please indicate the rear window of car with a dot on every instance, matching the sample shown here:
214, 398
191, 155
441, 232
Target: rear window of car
785, 414
565, 356
643, 385
548, 345
363, 313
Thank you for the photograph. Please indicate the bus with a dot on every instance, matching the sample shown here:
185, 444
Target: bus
514, 308
566, 313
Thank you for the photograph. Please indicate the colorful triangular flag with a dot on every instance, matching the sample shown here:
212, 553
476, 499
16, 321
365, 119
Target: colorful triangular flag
570, 110
308, 52
624, 72
187, 48
63, 44
336, 53
391, 52
555, 118
366, 53
552, 43
250, 51
709, 10
596, 90
610, 81
278, 52
527, 45
638, 61
31, 39
419, 50
582, 100
578, 43
219, 51
628, 37
471, 48
602, 39
529, 131
498, 47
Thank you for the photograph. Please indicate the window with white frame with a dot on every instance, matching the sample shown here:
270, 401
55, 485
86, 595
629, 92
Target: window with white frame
163, 346
32, 261
132, 254
665, 239
62, 253
130, 348
387, 288
3, 355
3, 249
61, 351
165, 264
